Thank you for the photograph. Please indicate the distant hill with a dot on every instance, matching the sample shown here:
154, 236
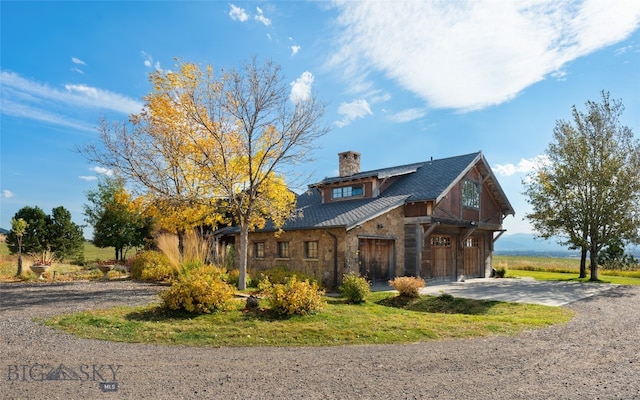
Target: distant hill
3, 231
528, 244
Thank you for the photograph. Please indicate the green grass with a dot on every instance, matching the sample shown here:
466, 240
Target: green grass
560, 269
93, 253
64, 270
603, 276
383, 319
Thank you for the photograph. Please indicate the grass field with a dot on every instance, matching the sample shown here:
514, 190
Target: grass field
66, 270
545, 268
384, 319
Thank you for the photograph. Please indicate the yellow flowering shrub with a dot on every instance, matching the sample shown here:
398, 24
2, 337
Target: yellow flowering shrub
294, 297
201, 290
152, 266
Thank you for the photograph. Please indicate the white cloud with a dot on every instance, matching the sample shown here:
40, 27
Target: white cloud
260, 17
301, 87
34, 100
469, 55
88, 178
148, 62
28, 111
352, 111
622, 50
524, 166
408, 115
78, 70
102, 171
294, 50
78, 61
7, 194
238, 14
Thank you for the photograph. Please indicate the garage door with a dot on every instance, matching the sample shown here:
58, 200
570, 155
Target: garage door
376, 259
441, 257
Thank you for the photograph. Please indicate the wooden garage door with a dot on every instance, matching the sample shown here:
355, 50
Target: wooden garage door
376, 258
441, 257
472, 257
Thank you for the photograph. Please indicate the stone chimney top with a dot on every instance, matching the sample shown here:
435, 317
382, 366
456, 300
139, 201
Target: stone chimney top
349, 163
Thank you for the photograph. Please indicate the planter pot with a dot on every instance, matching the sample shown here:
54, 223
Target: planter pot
105, 270
39, 270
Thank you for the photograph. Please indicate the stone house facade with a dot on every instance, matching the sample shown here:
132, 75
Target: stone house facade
436, 219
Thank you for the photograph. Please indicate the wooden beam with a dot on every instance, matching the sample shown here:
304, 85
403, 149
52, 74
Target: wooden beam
467, 234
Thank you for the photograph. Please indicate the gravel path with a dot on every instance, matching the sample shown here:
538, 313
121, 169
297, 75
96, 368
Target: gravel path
594, 356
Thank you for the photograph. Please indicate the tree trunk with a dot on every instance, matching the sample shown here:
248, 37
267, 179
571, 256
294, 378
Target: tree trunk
583, 262
181, 235
19, 256
594, 265
19, 264
244, 247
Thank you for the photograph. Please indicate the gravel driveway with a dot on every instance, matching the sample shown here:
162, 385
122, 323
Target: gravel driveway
594, 356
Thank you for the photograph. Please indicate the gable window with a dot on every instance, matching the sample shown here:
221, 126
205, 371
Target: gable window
311, 249
470, 195
347, 191
258, 249
283, 249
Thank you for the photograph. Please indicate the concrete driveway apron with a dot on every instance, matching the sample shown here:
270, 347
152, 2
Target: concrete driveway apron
525, 290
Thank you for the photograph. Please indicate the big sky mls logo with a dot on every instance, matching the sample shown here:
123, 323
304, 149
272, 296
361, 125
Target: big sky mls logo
106, 375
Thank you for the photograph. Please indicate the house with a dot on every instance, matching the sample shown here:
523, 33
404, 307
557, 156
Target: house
436, 219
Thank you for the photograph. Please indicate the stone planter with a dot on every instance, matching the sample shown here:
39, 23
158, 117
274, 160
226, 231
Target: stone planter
39, 269
105, 270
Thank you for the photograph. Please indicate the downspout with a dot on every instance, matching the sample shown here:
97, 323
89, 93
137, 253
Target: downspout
335, 259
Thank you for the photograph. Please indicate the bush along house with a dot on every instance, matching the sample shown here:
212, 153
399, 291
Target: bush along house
436, 219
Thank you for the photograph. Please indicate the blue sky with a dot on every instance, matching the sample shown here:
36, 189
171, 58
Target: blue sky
403, 80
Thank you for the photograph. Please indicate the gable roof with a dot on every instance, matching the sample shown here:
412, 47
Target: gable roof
423, 181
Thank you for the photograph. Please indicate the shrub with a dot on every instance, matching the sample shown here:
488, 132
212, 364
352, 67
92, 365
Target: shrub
408, 286
281, 274
201, 290
355, 288
152, 266
233, 277
500, 272
293, 297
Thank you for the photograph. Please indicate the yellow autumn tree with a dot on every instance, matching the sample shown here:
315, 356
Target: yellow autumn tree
216, 143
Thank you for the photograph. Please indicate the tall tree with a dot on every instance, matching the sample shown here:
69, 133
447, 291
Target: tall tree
151, 152
35, 237
18, 227
117, 221
65, 237
222, 141
55, 233
589, 192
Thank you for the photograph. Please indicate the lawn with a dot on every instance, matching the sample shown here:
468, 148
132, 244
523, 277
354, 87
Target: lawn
568, 276
560, 269
64, 270
384, 319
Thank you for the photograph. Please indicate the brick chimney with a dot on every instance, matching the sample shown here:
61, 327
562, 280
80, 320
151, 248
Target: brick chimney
349, 162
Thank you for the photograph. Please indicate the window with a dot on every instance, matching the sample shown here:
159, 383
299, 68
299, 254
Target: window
440, 241
311, 249
348, 191
470, 195
472, 242
283, 249
258, 250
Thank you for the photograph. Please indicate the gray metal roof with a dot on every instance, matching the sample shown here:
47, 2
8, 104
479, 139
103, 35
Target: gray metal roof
428, 180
